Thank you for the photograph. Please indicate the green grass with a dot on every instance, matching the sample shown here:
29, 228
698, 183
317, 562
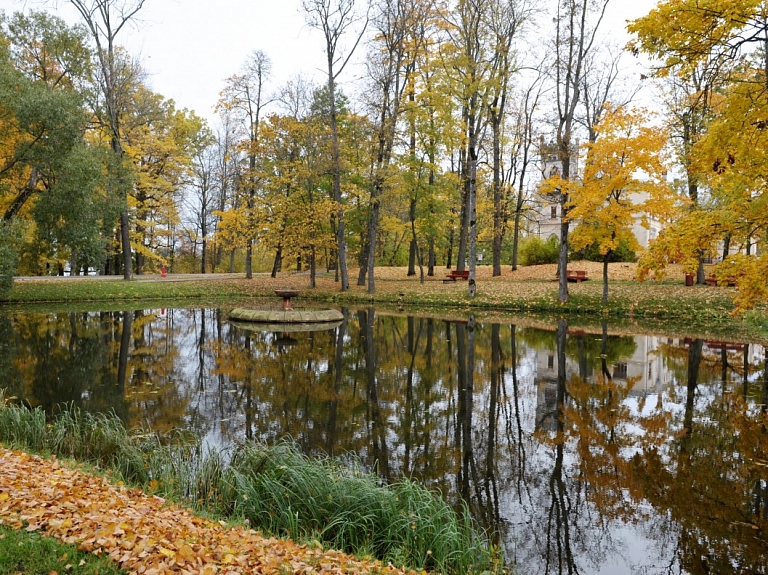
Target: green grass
275, 488
696, 309
105, 290
23, 552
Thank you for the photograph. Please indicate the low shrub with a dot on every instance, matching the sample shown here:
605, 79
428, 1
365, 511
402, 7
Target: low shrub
535, 251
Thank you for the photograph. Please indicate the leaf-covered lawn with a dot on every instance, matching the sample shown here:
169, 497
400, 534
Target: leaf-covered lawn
145, 534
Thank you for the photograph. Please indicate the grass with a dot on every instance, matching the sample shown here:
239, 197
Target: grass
667, 304
276, 489
23, 552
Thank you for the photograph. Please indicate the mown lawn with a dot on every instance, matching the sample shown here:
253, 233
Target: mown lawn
530, 290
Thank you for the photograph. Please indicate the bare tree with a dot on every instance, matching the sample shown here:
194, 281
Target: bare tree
105, 19
600, 85
471, 69
504, 20
202, 198
523, 138
334, 18
228, 175
575, 35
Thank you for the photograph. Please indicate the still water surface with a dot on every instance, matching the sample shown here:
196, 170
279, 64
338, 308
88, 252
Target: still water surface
588, 453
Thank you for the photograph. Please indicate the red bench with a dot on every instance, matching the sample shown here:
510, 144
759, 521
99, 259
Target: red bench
575, 276
724, 345
456, 275
712, 281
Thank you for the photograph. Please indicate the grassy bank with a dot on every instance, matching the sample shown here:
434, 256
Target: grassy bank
276, 489
24, 552
530, 290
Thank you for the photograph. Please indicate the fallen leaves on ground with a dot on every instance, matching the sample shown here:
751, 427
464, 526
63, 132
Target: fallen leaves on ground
145, 534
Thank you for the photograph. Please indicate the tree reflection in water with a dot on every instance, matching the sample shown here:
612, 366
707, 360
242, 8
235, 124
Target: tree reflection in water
584, 452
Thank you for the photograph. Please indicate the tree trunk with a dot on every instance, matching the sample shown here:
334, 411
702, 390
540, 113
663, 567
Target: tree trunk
29, 189
726, 245
498, 210
249, 260
278, 263
73, 269
411, 258
313, 267
363, 262
126, 244
515, 239
341, 239
412, 247
461, 257
562, 260
451, 234
431, 258
372, 230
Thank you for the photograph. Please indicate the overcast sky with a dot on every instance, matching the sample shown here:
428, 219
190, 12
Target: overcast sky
189, 47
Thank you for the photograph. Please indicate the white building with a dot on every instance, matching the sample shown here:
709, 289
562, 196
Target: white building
548, 213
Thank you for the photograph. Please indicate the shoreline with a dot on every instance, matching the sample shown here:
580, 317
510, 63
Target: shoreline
668, 303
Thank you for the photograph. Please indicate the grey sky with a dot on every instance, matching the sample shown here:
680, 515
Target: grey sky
189, 47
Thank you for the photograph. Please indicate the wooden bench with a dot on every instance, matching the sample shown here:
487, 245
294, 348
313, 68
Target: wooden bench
724, 345
456, 275
575, 276
712, 281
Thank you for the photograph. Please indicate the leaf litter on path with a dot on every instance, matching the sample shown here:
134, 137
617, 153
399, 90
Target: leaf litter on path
145, 534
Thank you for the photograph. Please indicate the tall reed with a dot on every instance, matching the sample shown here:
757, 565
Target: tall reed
276, 488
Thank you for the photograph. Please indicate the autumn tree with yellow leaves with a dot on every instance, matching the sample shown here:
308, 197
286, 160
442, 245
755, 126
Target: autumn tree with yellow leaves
624, 178
727, 157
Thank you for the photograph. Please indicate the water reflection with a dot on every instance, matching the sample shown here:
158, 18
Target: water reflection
586, 452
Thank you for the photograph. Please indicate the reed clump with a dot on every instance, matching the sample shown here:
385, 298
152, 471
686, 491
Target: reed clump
276, 489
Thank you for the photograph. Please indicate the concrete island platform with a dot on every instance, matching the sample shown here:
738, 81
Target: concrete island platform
280, 317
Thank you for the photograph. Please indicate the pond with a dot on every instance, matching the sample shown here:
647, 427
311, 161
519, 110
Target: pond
587, 452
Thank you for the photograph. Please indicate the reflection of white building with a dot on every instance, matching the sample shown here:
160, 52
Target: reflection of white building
645, 370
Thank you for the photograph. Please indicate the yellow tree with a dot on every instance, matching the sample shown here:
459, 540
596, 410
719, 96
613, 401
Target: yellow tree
727, 157
160, 141
624, 178
733, 155
293, 211
694, 72
400, 35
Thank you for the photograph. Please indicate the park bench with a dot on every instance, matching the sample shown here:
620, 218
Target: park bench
456, 275
712, 281
575, 276
724, 345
